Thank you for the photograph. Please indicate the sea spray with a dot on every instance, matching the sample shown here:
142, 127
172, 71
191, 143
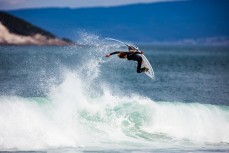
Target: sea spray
26, 125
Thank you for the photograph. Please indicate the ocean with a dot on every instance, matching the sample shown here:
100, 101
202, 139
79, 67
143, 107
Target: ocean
73, 99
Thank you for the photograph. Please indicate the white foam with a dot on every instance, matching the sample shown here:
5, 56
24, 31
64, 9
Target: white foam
71, 118
26, 125
193, 122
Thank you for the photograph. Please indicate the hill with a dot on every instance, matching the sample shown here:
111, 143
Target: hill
15, 31
167, 21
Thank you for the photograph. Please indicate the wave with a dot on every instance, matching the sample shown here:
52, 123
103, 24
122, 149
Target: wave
81, 113
71, 118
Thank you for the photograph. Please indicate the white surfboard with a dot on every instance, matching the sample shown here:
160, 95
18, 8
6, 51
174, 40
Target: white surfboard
145, 63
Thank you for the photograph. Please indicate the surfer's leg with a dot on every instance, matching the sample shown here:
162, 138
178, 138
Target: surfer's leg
139, 65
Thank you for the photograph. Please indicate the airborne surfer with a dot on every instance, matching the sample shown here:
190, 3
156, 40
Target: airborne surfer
131, 55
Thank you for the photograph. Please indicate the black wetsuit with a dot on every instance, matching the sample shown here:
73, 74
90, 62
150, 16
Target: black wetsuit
134, 57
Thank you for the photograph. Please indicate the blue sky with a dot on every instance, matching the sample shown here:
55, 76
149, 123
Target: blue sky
19, 4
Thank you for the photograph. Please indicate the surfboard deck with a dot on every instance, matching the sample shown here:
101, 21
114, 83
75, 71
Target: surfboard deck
146, 64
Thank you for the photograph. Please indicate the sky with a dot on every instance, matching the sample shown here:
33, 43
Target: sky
20, 4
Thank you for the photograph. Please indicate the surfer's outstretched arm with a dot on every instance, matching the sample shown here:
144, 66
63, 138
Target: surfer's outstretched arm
116, 52
113, 53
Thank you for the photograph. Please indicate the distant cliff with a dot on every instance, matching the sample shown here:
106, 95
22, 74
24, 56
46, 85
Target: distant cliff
15, 31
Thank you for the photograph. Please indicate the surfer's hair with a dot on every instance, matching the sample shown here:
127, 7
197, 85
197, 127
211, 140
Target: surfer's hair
122, 55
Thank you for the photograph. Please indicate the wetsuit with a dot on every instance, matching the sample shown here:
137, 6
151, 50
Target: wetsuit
134, 57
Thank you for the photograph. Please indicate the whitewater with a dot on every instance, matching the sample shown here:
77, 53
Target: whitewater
83, 110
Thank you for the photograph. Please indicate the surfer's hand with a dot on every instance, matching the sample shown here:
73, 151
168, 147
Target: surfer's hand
107, 55
142, 52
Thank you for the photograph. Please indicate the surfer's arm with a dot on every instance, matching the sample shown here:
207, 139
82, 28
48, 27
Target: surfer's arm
116, 52
113, 53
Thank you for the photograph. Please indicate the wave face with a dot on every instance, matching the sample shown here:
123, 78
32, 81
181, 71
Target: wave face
85, 110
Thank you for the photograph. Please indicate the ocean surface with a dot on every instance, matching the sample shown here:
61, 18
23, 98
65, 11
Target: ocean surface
73, 99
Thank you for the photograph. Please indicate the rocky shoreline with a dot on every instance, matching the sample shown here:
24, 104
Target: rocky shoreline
15, 31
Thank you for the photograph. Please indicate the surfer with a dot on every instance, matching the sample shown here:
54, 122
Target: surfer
131, 55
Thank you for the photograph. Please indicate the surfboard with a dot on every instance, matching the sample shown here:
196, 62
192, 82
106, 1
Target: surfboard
145, 62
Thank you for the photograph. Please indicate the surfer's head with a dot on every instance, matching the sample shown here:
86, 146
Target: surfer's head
122, 55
